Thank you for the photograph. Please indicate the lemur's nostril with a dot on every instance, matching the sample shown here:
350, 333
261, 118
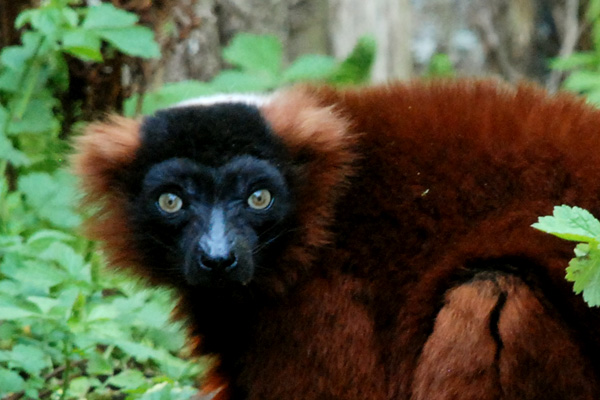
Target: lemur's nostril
218, 264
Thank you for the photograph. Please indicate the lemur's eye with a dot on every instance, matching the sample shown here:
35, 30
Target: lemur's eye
260, 200
170, 203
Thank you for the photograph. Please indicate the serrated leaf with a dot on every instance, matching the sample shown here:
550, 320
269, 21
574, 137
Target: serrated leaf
105, 15
584, 272
309, 68
255, 53
135, 41
570, 223
582, 250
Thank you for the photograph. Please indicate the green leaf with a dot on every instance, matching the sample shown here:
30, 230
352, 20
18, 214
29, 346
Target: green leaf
70, 16
52, 235
128, 379
98, 365
45, 304
103, 311
255, 53
593, 10
135, 41
177, 368
584, 272
570, 223
152, 315
10, 382
9, 80
357, 67
140, 351
239, 82
310, 68
575, 60
440, 65
38, 277
15, 57
52, 197
82, 44
38, 117
48, 21
9, 153
9, 288
67, 258
30, 358
105, 15
8, 313
582, 81
168, 391
593, 97
80, 386
25, 17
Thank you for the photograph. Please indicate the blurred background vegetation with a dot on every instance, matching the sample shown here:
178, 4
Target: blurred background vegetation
69, 328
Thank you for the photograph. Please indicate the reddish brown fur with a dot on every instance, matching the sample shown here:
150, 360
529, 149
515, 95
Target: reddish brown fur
416, 274
105, 149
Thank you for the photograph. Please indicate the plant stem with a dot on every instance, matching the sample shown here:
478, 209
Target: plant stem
65, 385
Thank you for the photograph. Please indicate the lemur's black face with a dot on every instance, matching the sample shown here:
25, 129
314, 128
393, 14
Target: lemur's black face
211, 201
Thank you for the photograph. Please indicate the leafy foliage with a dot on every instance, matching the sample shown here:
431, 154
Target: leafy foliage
68, 330
573, 223
258, 66
585, 65
577, 224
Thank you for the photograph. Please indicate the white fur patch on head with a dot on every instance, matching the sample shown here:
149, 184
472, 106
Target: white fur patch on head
253, 99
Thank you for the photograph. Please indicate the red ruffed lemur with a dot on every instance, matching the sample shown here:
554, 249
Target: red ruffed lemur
354, 244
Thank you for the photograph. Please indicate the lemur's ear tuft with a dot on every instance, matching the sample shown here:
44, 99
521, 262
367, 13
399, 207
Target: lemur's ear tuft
105, 148
101, 153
